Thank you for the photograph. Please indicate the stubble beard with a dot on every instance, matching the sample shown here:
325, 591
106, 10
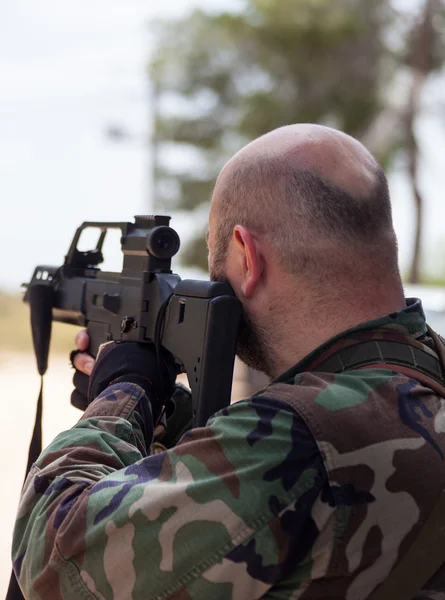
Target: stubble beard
251, 345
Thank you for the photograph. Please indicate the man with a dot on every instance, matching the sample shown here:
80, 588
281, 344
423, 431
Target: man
317, 486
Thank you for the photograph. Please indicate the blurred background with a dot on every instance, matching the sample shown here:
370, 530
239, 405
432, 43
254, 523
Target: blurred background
110, 109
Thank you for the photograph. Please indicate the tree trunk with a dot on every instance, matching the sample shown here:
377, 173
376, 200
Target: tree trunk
421, 54
412, 149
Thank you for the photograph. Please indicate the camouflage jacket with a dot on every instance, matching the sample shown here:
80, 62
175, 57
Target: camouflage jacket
267, 501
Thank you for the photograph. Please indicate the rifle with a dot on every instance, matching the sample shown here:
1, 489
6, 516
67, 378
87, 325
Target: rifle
197, 321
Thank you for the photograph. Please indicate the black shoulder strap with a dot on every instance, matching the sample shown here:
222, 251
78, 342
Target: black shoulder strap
400, 355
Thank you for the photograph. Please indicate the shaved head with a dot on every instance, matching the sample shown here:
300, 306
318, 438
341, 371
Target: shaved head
317, 194
301, 226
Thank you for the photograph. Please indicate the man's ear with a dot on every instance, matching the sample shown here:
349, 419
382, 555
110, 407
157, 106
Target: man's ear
252, 262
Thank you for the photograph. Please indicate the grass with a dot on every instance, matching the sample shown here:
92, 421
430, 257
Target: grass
15, 328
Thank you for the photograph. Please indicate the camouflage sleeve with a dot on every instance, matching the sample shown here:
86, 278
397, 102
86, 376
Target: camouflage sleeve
226, 514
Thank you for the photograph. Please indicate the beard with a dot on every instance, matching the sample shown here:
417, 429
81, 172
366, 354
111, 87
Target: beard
251, 347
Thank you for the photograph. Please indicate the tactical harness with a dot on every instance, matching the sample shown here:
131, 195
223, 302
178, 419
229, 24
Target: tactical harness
396, 352
409, 357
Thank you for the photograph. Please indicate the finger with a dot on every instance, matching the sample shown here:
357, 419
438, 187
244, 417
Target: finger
82, 340
84, 363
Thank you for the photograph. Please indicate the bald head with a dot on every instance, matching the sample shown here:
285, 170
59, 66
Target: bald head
340, 160
317, 194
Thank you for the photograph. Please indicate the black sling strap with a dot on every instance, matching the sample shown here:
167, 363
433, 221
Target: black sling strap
398, 354
41, 302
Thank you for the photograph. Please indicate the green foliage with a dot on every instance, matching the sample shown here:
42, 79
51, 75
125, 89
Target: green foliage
195, 252
222, 80
425, 40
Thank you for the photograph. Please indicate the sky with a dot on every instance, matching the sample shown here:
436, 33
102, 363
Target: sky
69, 71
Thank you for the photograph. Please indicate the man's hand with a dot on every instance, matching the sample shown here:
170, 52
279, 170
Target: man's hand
117, 362
84, 364
179, 408
138, 363
83, 361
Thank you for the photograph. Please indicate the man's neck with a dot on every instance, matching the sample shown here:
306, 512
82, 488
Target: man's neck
298, 335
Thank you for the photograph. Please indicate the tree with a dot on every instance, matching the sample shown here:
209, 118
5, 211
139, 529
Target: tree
425, 54
222, 80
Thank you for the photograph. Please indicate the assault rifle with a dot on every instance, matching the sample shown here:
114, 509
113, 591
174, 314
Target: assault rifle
197, 321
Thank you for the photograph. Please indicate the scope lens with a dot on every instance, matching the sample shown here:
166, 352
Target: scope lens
163, 242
